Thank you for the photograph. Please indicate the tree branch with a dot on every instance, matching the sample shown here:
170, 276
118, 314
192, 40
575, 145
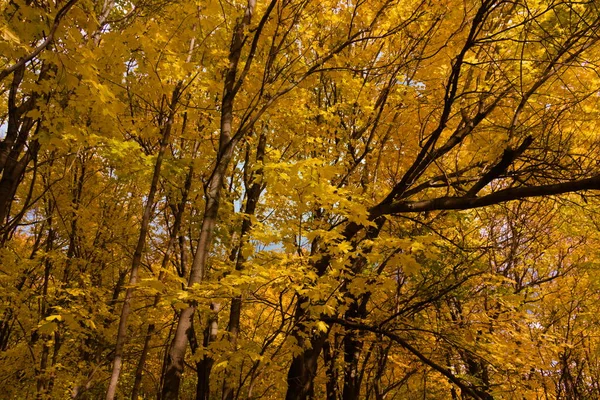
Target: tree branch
59, 16
501, 196
466, 389
508, 158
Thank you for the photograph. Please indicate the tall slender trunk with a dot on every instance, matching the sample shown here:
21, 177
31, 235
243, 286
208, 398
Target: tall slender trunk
137, 256
330, 357
214, 186
176, 355
11, 178
18, 129
164, 357
352, 349
179, 210
42, 378
78, 180
48, 381
254, 188
204, 367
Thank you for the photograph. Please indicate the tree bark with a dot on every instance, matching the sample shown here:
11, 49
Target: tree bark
137, 256
254, 188
330, 357
352, 349
179, 210
12, 165
304, 368
42, 379
213, 188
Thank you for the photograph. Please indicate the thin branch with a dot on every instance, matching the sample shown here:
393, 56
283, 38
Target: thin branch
24, 60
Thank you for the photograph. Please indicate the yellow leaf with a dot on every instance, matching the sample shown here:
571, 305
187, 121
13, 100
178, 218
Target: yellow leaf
322, 326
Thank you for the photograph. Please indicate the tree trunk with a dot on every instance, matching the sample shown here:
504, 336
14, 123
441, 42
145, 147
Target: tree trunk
42, 379
139, 371
330, 356
137, 256
175, 356
174, 367
204, 367
352, 350
179, 209
214, 186
353, 346
303, 369
304, 366
254, 188
18, 128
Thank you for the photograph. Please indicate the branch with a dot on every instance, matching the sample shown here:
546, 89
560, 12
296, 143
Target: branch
473, 392
59, 16
427, 154
501, 196
253, 46
508, 158
443, 180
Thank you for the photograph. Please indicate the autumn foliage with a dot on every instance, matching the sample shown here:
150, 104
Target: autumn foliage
299, 199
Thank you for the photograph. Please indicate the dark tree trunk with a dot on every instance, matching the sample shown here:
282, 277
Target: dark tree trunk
254, 189
330, 357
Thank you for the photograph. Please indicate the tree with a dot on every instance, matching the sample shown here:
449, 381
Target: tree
361, 199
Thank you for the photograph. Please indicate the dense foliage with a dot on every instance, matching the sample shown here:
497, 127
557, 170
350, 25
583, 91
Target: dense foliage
324, 199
